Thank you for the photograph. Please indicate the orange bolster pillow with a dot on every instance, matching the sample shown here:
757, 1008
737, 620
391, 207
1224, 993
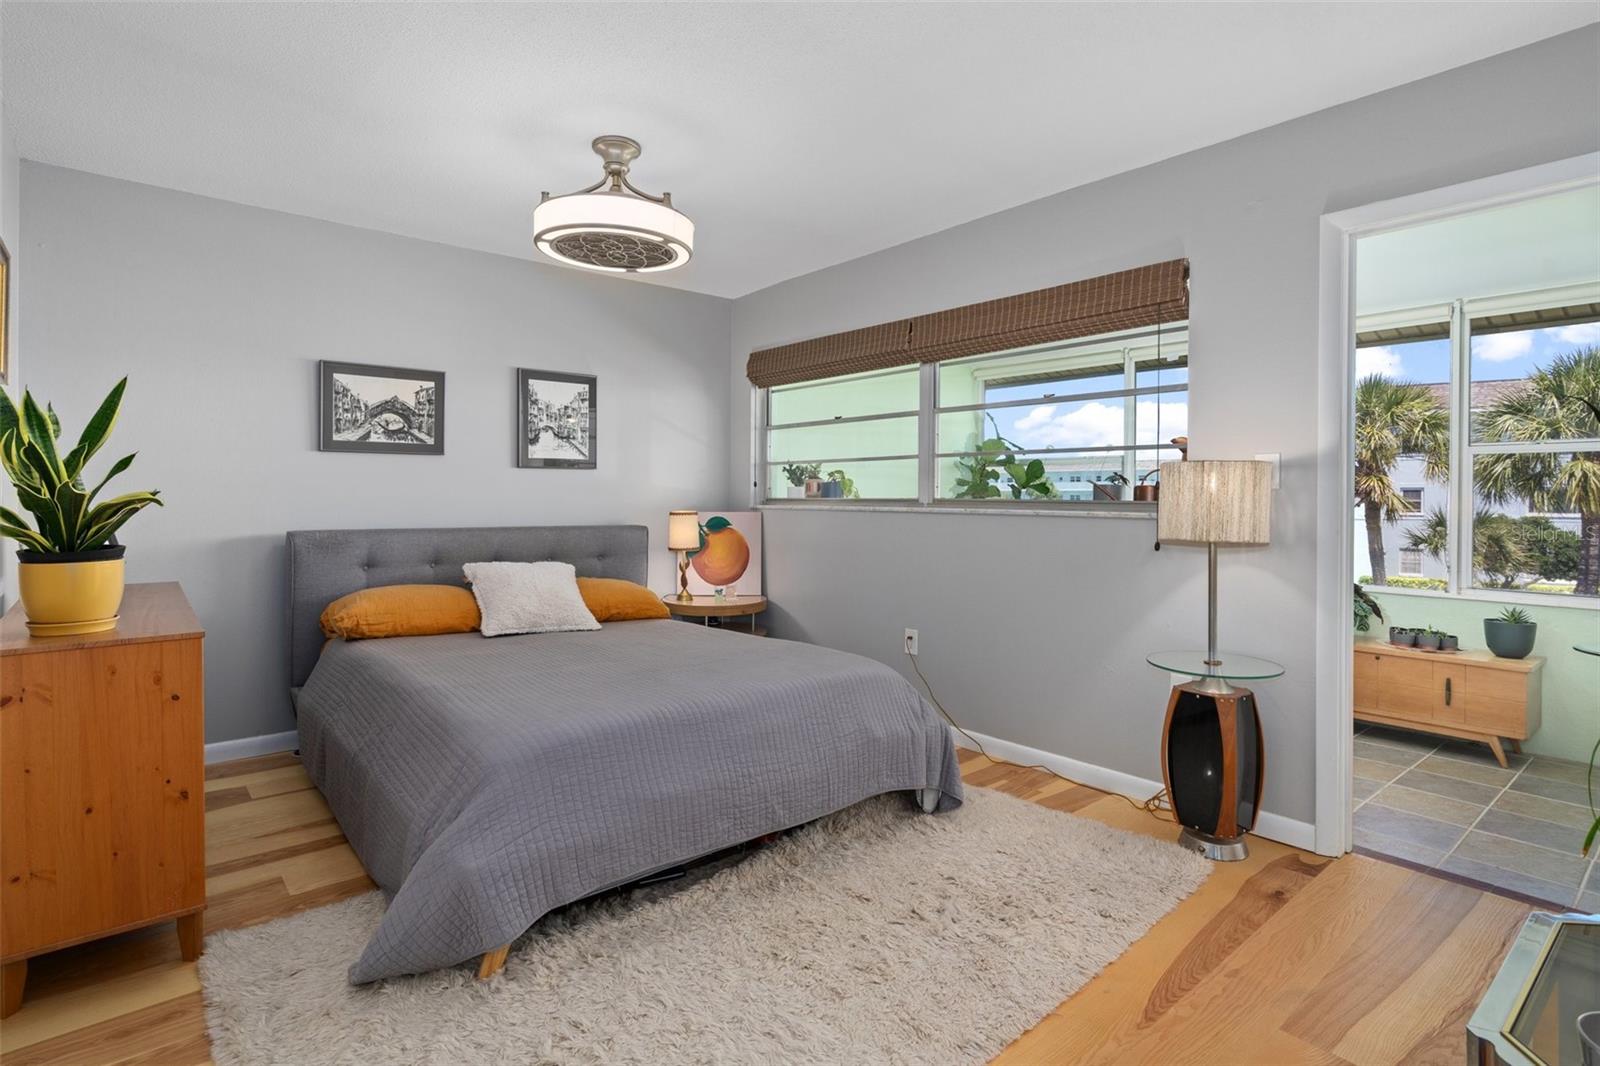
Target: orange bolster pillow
611, 599
401, 611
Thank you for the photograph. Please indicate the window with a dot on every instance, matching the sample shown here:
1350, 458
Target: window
1493, 418
1079, 422
859, 432
1083, 421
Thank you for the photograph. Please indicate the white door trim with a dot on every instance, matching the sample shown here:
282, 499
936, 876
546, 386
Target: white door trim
1335, 466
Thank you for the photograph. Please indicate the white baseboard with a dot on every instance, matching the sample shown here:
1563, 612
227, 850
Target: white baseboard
245, 747
1296, 834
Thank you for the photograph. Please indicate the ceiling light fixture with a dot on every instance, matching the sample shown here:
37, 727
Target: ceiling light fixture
611, 225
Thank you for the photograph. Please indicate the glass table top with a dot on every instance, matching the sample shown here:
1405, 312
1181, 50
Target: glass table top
1587, 649
1231, 667
1550, 976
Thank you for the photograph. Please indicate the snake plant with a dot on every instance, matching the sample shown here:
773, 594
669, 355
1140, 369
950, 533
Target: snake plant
50, 485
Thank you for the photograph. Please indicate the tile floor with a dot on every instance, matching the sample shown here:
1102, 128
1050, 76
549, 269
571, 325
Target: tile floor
1447, 804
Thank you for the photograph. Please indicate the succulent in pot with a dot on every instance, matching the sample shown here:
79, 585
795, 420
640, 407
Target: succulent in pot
1429, 639
1403, 636
1510, 636
1449, 642
71, 573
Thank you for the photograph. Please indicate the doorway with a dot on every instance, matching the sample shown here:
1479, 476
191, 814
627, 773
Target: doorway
1461, 327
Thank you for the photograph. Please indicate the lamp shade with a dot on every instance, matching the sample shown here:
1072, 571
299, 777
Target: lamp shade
683, 531
1215, 501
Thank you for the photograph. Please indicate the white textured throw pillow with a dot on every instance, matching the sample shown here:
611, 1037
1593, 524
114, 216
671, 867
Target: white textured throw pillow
528, 598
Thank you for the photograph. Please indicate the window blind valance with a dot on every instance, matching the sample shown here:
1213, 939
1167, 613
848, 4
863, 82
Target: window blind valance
853, 352
1127, 299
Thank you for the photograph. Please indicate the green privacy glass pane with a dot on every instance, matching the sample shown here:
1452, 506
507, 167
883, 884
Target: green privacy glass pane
882, 479
877, 393
886, 436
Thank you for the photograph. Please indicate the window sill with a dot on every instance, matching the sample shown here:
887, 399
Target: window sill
1491, 596
1127, 509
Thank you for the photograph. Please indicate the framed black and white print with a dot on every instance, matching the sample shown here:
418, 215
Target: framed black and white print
555, 419
392, 409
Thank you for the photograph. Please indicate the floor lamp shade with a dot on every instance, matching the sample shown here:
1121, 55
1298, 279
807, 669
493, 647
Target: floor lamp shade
683, 530
1215, 501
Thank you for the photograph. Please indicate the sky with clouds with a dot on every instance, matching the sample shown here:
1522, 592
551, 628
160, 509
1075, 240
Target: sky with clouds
1494, 355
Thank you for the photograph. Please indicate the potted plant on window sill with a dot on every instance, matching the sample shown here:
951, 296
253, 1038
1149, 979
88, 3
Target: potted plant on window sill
840, 486
800, 475
1510, 636
71, 573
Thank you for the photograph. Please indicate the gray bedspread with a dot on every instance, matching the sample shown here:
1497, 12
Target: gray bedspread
484, 782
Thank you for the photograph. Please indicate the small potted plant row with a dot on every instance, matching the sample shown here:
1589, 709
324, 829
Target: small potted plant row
1426, 638
805, 480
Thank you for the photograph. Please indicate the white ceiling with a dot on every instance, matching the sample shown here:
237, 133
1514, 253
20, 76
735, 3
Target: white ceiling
795, 135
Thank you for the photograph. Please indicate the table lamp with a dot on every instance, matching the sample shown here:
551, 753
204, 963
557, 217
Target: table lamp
1215, 502
683, 537
1212, 752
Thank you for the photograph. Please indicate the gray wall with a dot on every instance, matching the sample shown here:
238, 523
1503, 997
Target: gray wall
218, 313
1034, 629
10, 223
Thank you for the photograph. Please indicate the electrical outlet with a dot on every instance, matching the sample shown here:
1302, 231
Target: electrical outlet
911, 642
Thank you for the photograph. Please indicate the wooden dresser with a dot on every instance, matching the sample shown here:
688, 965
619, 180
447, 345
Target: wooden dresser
1470, 694
102, 781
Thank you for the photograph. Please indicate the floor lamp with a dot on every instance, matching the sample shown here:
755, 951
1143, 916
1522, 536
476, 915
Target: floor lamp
1212, 753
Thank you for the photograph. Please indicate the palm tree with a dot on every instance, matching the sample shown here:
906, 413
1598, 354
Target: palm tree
1559, 402
1394, 419
1499, 548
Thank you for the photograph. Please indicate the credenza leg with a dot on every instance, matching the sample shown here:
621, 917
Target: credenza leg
14, 978
1499, 752
1514, 744
191, 935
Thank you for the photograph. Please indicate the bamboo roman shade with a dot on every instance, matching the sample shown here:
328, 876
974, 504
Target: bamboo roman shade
1128, 299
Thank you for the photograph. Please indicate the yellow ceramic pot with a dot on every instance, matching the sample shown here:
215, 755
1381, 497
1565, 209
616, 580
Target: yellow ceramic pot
71, 594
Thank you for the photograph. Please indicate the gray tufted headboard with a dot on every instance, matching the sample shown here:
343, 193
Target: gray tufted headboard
325, 564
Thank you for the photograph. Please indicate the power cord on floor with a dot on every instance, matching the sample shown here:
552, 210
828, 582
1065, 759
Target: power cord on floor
1156, 806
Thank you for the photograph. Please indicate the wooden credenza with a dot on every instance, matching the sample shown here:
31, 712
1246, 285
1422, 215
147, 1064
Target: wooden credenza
1470, 694
102, 781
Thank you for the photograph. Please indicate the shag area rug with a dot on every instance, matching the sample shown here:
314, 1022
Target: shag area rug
875, 935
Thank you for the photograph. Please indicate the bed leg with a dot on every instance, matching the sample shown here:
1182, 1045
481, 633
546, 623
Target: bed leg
928, 799
492, 961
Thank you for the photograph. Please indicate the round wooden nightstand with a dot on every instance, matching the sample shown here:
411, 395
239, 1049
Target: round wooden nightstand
706, 608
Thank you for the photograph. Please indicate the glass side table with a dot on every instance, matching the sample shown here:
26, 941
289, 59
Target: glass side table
1550, 977
1212, 757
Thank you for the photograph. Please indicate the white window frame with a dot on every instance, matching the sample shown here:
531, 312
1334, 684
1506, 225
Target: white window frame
1459, 509
1133, 346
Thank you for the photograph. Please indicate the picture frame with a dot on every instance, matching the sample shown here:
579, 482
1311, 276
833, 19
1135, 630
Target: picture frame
364, 407
556, 420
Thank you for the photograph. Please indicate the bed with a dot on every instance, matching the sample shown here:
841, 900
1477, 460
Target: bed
485, 781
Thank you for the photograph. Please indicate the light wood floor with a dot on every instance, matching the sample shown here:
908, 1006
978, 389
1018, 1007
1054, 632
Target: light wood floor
1284, 958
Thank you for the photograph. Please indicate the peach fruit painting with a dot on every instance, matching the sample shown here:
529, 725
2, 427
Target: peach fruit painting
724, 554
